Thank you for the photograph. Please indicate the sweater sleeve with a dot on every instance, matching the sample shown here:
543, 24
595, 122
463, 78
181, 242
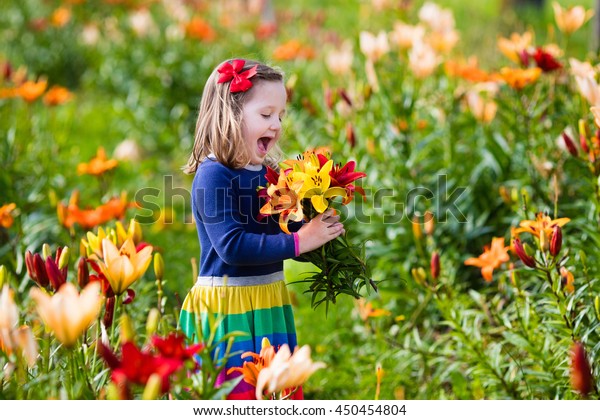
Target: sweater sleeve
218, 206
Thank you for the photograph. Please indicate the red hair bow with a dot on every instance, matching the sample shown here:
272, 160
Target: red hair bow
232, 71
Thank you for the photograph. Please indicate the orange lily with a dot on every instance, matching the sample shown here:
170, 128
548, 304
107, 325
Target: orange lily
514, 47
57, 95
6, 215
199, 29
250, 370
468, 70
284, 201
542, 222
519, 78
366, 310
69, 215
30, 91
60, 17
98, 165
293, 49
492, 258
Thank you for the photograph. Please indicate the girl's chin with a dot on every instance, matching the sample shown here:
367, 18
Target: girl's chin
257, 159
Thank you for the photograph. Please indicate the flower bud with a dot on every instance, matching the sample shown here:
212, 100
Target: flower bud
83, 273
55, 276
419, 275
84, 248
544, 240
584, 134
429, 223
567, 280
39, 268
350, 135
570, 145
159, 266
152, 321
597, 307
416, 228
265, 343
127, 329
435, 265
581, 374
505, 195
528, 260
46, 251
63, 260
29, 264
135, 231
109, 312
379, 372
344, 95
3, 276
556, 241
121, 233
329, 95
153, 387
583, 137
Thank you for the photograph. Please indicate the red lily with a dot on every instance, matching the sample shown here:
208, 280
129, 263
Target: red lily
544, 60
173, 347
137, 366
344, 177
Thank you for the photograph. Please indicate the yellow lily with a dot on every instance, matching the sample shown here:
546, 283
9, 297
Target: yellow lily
67, 313
134, 231
93, 244
316, 181
124, 266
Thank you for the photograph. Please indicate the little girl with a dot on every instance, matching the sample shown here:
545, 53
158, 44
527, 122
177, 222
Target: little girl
241, 261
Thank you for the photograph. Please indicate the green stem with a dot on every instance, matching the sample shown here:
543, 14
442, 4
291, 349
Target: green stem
558, 304
71, 391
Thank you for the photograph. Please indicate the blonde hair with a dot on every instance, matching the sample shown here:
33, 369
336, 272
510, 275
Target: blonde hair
219, 123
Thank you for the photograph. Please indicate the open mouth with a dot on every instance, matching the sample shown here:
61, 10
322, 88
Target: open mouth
263, 145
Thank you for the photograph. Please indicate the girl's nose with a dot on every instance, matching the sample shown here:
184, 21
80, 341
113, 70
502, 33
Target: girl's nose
276, 125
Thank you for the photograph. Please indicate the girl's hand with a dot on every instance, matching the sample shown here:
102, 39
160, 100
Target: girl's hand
319, 231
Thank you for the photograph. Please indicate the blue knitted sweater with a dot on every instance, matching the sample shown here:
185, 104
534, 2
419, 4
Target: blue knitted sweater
233, 241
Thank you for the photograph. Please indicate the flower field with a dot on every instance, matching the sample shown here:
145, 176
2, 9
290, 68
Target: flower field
477, 129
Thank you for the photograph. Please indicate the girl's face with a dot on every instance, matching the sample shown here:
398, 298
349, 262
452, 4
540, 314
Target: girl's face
261, 118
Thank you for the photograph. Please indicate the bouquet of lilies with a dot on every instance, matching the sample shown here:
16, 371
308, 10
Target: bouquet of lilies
304, 188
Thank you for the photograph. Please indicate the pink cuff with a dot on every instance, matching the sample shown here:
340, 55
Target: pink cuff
296, 244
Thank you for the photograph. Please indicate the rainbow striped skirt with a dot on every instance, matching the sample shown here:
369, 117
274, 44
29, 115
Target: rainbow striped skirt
258, 306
